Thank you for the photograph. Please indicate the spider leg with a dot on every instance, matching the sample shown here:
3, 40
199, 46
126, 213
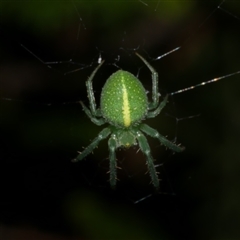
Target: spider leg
112, 145
97, 121
94, 111
155, 93
144, 146
158, 109
102, 135
155, 134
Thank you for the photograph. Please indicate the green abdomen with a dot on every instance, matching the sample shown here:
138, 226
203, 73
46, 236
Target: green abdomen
123, 99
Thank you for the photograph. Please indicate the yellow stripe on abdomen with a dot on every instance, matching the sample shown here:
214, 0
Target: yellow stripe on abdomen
126, 108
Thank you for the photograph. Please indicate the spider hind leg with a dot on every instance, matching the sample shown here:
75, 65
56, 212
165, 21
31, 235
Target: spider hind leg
153, 114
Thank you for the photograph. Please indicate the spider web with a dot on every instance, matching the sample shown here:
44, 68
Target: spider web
46, 58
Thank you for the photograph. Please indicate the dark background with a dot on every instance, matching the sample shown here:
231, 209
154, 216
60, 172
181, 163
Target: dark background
44, 195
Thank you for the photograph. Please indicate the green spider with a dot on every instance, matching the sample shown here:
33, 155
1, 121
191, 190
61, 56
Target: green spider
124, 105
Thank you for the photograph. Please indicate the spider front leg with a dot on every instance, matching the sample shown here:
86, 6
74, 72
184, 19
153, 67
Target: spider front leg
155, 134
102, 135
144, 146
112, 145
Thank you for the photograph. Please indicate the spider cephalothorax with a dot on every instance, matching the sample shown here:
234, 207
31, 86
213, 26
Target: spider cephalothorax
124, 105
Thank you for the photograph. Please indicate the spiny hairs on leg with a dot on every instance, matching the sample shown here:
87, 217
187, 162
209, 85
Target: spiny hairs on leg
155, 134
112, 145
102, 135
144, 146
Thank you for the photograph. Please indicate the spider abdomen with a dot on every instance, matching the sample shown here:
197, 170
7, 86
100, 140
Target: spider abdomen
123, 99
